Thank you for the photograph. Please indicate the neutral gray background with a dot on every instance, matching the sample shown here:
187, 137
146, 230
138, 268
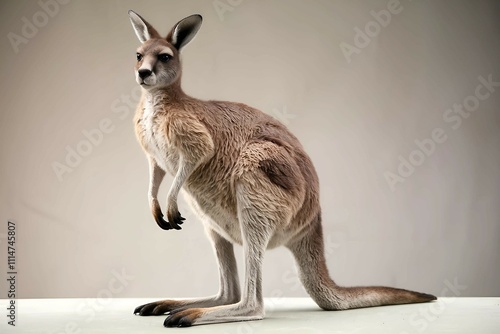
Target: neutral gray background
357, 118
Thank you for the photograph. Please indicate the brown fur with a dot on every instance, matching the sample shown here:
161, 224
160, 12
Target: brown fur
247, 176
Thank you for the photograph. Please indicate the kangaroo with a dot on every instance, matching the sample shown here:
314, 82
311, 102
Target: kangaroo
246, 176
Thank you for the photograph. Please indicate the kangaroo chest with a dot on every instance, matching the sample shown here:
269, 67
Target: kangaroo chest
154, 138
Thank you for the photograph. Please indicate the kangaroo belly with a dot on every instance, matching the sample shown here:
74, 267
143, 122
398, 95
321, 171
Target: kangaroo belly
216, 217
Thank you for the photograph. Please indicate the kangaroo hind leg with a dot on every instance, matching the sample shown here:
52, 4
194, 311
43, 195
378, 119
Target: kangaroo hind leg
229, 290
261, 210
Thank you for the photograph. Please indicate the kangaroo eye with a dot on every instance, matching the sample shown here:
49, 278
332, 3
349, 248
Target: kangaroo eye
139, 56
163, 57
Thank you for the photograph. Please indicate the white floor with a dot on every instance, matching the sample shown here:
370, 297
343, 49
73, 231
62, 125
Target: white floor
285, 315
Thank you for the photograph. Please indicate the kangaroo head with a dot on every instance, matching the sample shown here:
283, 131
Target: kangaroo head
158, 58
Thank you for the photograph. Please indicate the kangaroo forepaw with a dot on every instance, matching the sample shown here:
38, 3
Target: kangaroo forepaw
175, 220
165, 225
158, 215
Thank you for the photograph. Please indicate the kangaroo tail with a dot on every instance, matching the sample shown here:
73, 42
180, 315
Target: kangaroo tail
310, 258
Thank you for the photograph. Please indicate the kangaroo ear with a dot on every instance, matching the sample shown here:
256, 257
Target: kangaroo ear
184, 31
143, 29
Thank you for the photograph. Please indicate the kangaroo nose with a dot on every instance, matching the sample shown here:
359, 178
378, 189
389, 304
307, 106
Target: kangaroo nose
144, 73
